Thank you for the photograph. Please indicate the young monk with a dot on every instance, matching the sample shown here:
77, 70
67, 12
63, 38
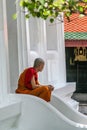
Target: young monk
28, 82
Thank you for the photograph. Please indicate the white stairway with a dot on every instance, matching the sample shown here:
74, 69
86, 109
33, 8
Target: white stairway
25, 112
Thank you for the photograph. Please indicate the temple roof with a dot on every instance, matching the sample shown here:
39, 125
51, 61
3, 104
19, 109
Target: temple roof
76, 28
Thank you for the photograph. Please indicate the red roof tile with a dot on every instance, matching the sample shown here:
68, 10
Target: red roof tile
76, 24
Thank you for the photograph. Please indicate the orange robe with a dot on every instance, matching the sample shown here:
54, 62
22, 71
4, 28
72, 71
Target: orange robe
24, 85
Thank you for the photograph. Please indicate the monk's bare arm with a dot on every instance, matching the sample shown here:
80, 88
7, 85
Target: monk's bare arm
33, 83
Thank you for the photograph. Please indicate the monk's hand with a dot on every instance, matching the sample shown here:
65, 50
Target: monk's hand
51, 87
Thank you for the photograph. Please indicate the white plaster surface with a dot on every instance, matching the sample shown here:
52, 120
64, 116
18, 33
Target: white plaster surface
32, 113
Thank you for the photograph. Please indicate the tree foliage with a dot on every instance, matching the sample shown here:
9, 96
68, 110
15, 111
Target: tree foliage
52, 8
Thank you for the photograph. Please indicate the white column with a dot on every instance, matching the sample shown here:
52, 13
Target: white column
12, 44
22, 39
42, 49
4, 69
20, 60
28, 43
61, 52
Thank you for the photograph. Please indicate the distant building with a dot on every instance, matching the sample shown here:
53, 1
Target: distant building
75, 43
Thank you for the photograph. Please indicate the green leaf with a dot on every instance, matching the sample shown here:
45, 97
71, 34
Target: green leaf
41, 1
33, 14
14, 16
21, 3
58, 3
31, 6
27, 16
38, 14
51, 20
84, 0
80, 8
46, 13
24, 3
67, 14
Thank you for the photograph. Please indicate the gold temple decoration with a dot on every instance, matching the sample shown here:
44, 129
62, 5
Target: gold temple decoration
80, 54
72, 61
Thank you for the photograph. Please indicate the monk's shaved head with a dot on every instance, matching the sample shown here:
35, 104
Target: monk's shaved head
38, 62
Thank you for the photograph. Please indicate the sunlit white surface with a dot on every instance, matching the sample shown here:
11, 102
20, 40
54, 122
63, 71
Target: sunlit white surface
62, 101
36, 114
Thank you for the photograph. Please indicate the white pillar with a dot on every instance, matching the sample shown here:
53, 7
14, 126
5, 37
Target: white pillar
12, 44
42, 48
20, 60
61, 52
4, 68
22, 39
